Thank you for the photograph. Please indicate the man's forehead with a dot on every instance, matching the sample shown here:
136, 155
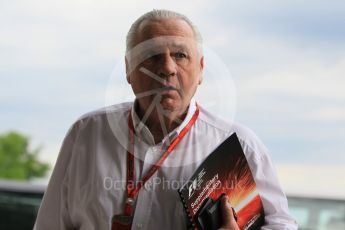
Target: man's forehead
164, 27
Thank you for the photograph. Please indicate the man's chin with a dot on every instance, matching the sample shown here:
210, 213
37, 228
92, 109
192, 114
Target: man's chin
170, 105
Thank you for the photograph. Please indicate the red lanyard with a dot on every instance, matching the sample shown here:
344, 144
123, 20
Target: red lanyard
132, 190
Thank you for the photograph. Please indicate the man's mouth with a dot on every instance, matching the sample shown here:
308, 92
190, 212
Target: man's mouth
167, 88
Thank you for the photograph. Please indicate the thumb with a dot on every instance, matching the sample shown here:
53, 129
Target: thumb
229, 221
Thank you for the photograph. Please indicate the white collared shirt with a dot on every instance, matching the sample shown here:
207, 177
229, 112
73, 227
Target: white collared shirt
87, 186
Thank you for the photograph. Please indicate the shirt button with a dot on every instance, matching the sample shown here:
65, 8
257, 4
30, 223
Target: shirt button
139, 225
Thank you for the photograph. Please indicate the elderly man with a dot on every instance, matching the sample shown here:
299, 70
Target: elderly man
116, 165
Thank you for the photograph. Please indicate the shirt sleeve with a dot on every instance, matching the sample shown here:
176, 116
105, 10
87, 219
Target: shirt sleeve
53, 213
274, 201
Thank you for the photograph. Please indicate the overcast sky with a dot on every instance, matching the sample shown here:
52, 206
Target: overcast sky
286, 59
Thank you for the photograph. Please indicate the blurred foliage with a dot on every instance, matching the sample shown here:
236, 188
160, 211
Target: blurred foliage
17, 161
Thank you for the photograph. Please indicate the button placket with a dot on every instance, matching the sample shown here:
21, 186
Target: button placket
143, 209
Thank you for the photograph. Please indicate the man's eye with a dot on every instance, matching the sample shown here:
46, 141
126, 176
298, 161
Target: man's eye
149, 55
180, 55
150, 58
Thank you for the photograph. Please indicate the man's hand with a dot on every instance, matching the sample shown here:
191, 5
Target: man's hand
229, 222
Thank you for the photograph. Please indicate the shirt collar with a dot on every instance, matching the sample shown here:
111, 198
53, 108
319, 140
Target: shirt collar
143, 132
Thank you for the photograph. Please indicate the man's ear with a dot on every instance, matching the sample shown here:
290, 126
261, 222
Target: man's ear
201, 69
127, 71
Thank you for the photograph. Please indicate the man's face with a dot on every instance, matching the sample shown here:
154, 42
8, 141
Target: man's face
166, 71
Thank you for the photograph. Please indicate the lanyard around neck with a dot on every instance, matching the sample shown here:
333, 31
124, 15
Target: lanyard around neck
132, 189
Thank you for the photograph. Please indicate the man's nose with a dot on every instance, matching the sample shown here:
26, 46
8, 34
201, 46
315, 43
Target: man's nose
167, 66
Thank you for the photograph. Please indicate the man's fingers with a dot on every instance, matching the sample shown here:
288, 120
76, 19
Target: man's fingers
229, 221
226, 211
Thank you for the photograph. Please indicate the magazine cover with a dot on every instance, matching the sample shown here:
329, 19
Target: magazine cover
225, 170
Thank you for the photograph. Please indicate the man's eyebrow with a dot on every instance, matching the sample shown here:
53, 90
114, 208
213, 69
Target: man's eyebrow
179, 46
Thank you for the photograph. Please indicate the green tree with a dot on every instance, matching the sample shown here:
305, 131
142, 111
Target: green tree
17, 161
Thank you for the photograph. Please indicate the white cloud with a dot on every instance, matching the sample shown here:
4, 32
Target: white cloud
313, 180
304, 80
328, 113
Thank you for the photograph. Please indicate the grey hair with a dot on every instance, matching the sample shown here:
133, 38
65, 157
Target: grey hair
159, 15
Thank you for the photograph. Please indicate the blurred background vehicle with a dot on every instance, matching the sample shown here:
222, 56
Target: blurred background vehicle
20, 201
318, 213
19, 204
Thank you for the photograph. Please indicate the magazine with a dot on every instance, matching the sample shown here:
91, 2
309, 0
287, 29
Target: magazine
225, 171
